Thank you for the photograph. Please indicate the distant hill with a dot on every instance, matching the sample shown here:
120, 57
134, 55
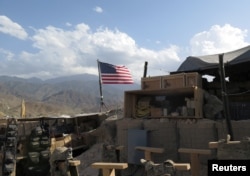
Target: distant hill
64, 95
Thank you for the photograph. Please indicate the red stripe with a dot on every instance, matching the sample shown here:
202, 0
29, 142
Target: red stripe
120, 76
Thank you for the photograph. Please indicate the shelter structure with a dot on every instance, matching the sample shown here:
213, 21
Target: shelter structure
237, 73
236, 62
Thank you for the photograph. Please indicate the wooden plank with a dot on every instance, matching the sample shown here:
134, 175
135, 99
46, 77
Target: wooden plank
108, 172
194, 158
150, 149
182, 166
195, 164
147, 155
214, 145
73, 167
173, 81
74, 162
195, 151
193, 79
151, 83
107, 165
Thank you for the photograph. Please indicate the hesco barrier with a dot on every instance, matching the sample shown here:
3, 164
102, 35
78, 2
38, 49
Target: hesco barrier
162, 134
172, 134
122, 129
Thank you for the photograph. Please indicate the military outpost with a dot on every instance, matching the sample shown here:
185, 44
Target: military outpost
172, 126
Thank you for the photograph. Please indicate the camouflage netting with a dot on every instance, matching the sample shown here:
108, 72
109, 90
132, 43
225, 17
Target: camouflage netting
165, 169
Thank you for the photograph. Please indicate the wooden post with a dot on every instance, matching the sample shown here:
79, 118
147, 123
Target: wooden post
225, 97
182, 166
108, 169
214, 145
195, 164
149, 150
73, 167
145, 70
194, 158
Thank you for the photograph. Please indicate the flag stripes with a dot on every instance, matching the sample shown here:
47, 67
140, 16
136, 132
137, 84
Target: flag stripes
113, 74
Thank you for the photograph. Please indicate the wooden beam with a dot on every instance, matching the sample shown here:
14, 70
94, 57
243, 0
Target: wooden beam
194, 158
108, 169
182, 166
149, 150
74, 162
73, 167
214, 145
194, 151
104, 165
195, 164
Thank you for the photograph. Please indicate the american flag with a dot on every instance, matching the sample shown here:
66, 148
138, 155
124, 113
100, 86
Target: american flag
113, 74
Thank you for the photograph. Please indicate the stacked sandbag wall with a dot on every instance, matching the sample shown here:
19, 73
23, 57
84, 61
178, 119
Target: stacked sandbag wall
94, 154
162, 133
196, 134
240, 129
241, 132
122, 126
25, 128
122, 134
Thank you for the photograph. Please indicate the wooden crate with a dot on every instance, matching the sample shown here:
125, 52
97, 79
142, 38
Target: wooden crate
173, 81
151, 83
132, 98
130, 103
193, 79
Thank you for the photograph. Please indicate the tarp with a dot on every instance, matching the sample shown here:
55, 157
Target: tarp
208, 63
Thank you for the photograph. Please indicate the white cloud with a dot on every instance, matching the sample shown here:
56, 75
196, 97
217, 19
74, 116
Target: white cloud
7, 26
75, 51
98, 9
218, 39
62, 52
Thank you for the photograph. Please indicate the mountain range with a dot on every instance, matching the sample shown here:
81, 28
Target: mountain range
58, 96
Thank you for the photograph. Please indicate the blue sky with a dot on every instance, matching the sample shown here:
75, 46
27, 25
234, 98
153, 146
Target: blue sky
51, 38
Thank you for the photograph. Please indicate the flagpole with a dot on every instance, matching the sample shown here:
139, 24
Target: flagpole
100, 86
